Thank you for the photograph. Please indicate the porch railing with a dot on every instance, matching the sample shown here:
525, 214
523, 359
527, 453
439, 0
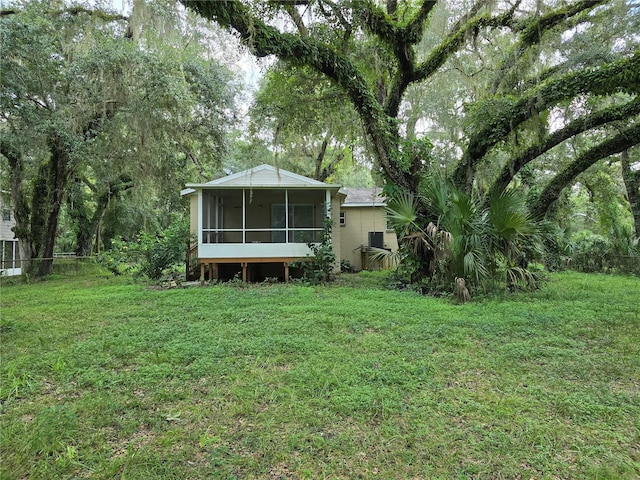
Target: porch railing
261, 235
192, 258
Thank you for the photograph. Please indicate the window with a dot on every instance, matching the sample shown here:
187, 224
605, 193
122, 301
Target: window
301, 223
343, 219
6, 215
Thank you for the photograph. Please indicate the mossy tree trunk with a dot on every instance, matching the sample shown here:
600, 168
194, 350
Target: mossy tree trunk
617, 144
87, 222
21, 210
37, 219
49, 192
632, 184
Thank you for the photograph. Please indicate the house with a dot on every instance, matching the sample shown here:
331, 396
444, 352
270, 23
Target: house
364, 228
9, 252
255, 223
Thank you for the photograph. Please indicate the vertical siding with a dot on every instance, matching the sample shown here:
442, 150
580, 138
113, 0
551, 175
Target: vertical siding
193, 213
5, 227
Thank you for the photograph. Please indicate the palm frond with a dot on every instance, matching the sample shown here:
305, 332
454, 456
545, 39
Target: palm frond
509, 216
402, 212
437, 193
463, 207
379, 255
474, 266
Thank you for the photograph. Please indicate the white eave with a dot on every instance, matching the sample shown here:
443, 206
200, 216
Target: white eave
364, 204
263, 176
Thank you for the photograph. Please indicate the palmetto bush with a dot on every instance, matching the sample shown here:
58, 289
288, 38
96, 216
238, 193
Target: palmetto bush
447, 234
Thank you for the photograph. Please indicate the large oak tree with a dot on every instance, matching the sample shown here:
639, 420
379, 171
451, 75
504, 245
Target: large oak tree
92, 107
532, 68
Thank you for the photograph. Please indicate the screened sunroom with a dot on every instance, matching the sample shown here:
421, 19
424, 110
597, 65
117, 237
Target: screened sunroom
244, 221
262, 215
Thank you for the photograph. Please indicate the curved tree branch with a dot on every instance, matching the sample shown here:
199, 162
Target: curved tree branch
266, 40
74, 10
620, 76
348, 28
575, 127
455, 40
297, 19
621, 142
532, 32
401, 41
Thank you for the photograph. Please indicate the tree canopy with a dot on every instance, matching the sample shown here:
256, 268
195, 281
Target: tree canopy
94, 107
535, 85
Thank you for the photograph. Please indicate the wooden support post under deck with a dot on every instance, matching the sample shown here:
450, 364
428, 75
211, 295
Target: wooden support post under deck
214, 265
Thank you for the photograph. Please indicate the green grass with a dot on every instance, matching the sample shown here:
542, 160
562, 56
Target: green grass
104, 378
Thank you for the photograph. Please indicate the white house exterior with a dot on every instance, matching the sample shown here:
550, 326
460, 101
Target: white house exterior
363, 228
9, 252
259, 220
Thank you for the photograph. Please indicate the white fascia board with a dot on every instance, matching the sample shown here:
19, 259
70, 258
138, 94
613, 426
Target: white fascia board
207, 186
348, 205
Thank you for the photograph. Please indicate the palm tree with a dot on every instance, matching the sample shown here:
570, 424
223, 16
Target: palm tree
460, 237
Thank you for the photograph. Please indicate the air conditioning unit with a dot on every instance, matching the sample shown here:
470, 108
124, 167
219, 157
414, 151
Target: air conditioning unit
376, 239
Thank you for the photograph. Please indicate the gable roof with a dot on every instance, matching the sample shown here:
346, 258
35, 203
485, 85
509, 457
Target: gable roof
262, 176
364, 197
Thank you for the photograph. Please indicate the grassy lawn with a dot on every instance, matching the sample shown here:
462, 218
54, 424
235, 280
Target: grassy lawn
104, 378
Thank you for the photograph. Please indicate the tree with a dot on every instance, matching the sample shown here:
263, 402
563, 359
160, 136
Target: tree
311, 122
631, 179
88, 114
344, 40
525, 79
52, 108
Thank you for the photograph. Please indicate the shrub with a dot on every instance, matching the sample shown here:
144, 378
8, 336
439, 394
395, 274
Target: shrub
150, 255
346, 267
591, 252
163, 251
117, 258
446, 235
319, 267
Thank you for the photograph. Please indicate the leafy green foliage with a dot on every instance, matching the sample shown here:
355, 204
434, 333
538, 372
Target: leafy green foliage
590, 252
150, 255
511, 72
309, 121
94, 108
160, 252
488, 246
346, 267
320, 267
